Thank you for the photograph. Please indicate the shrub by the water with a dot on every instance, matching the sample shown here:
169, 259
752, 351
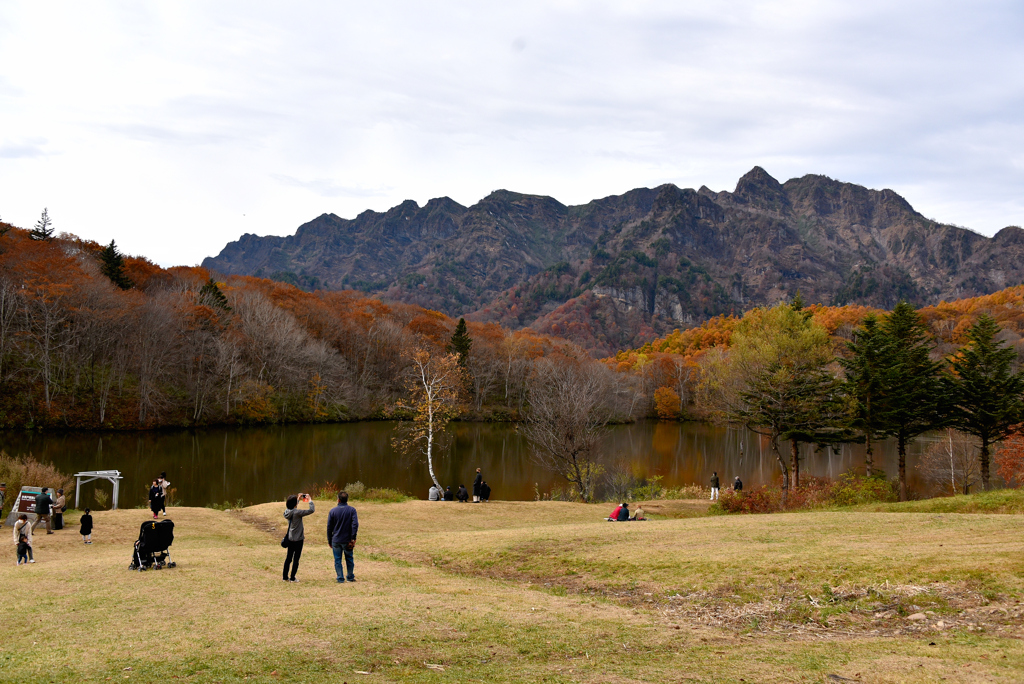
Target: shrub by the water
357, 491
27, 471
813, 492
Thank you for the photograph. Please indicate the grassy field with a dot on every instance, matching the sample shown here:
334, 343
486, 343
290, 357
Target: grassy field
528, 591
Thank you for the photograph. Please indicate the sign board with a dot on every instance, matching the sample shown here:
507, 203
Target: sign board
25, 503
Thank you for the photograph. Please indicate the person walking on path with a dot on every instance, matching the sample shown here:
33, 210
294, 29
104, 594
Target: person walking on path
485, 492
714, 486
342, 528
463, 495
737, 484
476, 486
86, 530
23, 528
165, 485
43, 505
57, 511
296, 535
155, 498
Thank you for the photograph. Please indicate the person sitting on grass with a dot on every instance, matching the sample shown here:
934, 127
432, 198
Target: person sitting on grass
638, 514
614, 517
463, 496
86, 530
624, 513
448, 495
434, 494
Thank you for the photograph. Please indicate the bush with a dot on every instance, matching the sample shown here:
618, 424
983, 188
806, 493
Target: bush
813, 492
357, 491
27, 471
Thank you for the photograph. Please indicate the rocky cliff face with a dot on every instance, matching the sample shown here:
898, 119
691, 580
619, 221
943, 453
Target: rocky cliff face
625, 268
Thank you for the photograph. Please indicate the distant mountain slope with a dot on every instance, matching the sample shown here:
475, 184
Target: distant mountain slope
619, 271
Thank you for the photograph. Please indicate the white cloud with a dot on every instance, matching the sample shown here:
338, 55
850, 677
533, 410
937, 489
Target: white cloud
175, 127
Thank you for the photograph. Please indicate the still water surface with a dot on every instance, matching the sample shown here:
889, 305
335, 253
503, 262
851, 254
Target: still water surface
267, 463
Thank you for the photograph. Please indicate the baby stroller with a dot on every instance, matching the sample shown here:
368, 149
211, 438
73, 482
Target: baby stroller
151, 549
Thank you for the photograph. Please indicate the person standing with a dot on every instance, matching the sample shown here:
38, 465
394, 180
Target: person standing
155, 498
86, 530
342, 528
485, 492
165, 486
296, 535
57, 511
23, 529
737, 484
43, 505
714, 486
476, 486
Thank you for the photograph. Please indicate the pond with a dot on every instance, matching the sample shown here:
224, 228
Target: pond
259, 464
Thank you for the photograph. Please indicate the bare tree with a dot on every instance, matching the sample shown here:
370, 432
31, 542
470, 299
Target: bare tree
437, 389
952, 463
568, 407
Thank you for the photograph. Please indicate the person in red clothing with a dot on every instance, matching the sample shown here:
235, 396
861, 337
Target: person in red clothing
615, 513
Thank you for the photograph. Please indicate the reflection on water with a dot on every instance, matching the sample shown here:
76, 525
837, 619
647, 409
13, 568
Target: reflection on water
267, 463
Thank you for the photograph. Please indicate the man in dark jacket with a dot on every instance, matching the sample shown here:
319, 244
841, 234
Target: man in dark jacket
476, 486
714, 486
342, 527
448, 495
737, 484
485, 491
463, 496
43, 504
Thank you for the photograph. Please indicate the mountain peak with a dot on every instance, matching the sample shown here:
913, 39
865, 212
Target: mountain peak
759, 189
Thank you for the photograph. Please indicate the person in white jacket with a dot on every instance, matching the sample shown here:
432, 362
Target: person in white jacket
164, 486
24, 528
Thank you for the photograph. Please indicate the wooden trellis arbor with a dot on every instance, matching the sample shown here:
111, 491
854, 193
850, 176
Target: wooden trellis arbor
112, 476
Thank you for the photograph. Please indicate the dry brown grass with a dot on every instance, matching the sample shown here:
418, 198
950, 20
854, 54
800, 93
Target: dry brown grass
225, 615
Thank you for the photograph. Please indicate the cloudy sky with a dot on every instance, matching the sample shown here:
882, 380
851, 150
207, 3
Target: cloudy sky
174, 127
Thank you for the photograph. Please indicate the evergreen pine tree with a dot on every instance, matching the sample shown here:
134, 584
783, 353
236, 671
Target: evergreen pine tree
864, 369
112, 266
211, 295
910, 382
43, 229
460, 343
987, 397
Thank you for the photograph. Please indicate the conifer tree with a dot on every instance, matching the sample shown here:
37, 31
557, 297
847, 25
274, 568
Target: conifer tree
987, 396
911, 383
864, 382
112, 266
211, 295
460, 343
43, 229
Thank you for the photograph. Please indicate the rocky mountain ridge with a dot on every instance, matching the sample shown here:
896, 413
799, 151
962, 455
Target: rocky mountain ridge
619, 270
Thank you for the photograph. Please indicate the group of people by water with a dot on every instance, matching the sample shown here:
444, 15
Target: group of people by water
50, 510
481, 491
716, 484
158, 495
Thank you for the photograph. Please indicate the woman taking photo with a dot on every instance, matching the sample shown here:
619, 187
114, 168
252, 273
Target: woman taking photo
296, 535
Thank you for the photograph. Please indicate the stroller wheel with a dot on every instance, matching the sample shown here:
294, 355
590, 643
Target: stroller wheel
172, 564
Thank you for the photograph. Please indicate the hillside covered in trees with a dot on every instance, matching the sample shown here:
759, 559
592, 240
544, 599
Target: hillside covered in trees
622, 270
90, 338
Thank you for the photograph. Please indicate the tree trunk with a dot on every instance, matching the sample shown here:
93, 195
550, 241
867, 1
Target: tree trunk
902, 445
796, 463
983, 456
869, 456
785, 471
